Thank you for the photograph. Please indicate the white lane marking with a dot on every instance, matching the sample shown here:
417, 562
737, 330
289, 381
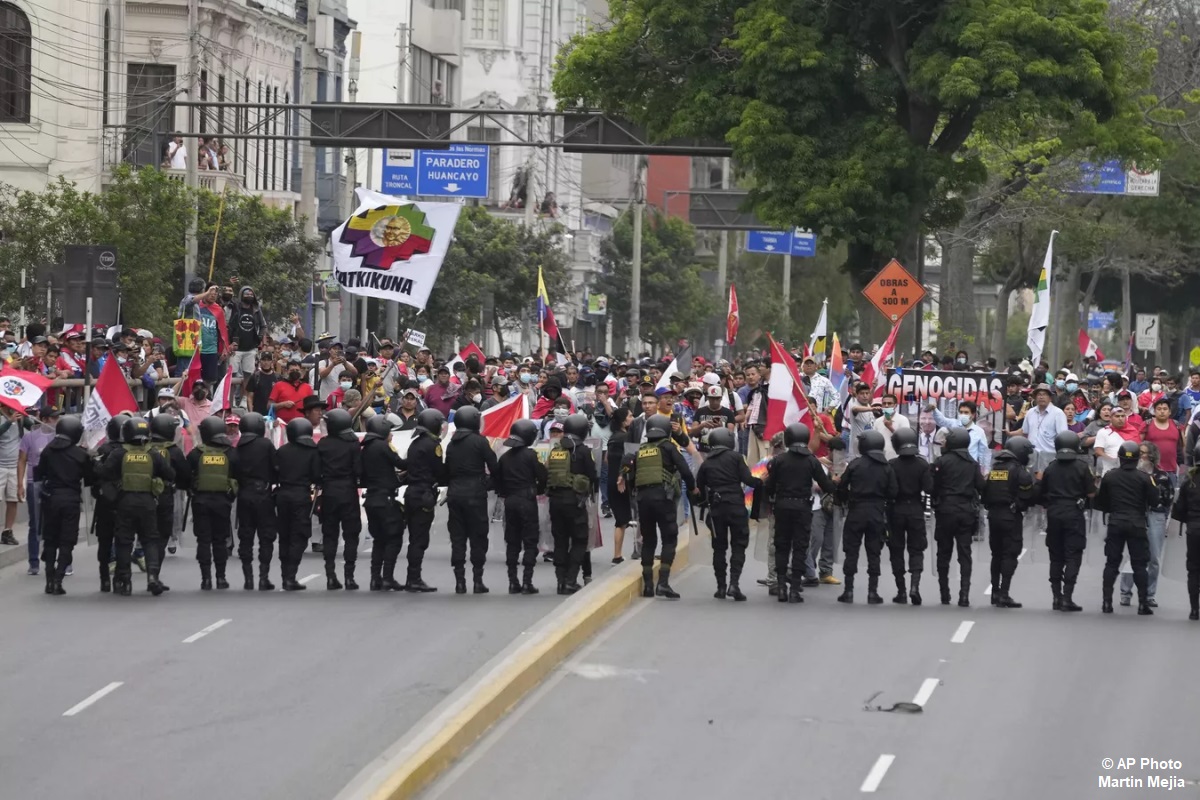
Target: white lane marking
875, 776
1024, 550
960, 635
926, 691
308, 578
988, 590
598, 672
80, 706
200, 634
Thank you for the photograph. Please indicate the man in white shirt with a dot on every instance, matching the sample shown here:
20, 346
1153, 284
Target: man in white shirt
1042, 423
177, 153
1109, 440
891, 421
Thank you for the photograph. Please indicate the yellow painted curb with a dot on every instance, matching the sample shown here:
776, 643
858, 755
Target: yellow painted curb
488, 702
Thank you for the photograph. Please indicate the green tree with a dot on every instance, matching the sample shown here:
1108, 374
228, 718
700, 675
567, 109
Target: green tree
851, 117
676, 303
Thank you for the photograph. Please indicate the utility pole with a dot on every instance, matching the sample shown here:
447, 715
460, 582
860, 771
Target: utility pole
722, 260
193, 179
352, 164
635, 292
309, 65
787, 293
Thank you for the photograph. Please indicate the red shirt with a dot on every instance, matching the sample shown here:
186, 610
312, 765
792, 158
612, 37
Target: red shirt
823, 449
1167, 442
283, 391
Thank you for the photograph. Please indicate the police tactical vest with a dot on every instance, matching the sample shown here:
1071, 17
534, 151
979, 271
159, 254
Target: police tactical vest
213, 475
559, 468
137, 471
650, 469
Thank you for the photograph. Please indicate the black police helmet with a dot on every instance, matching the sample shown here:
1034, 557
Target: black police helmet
432, 420
870, 442
524, 433
1128, 454
657, 427
338, 421
135, 430
958, 439
796, 433
577, 425
253, 423
721, 437
299, 429
69, 429
1020, 447
212, 429
162, 427
467, 418
905, 442
113, 429
379, 426
1066, 446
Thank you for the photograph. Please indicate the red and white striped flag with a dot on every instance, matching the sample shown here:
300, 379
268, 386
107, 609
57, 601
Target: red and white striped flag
497, 421
875, 372
110, 396
190, 378
733, 318
786, 401
221, 394
1087, 347
20, 390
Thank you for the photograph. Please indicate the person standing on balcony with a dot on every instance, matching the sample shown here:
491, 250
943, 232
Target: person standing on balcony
177, 153
224, 158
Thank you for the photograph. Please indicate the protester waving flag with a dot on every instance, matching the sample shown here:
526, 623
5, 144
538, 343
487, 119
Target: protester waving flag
110, 396
1039, 318
816, 345
497, 421
548, 325
1088, 348
874, 374
786, 402
20, 390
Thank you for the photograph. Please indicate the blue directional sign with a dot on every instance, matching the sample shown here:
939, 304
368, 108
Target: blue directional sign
1113, 178
460, 171
1102, 320
798, 243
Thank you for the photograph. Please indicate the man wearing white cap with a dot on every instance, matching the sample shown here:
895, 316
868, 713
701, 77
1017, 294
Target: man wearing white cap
712, 416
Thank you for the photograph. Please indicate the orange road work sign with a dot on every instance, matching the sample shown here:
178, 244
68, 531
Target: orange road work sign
894, 291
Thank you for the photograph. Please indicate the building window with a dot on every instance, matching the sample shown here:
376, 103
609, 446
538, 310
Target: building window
149, 88
15, 64
486, 20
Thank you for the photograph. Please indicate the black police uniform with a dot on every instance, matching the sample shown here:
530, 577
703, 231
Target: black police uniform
104, 514
1007, 493
957, 485
906, 530
426, 472
720, 480
1064, 490
212, 467
866, 487
656, 504
385, 522
341, 470
568, 508
470, 461
165, 521
1126, 495
256, 473
63, 468
299, 474
519, 478
790, 476
1187, 512
136, 506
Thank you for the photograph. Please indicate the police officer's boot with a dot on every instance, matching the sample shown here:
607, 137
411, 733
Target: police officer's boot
720, 594
1068, 604
123, 587
376, 584
664, 583
914, 593
49, 579
247, 574
901, 598
647, 582
221, 582
514, 585
1193, 583
847, 595
1056, 589
1106, 606
414, 582
795, 591
944, 587
527, 586
388, 577
105, 579
1006, 600
59, 574
964, 593
332, 584
153, 584
460, 580
735, 591
264, 583
205, 577
781, 589
997, 591
477, 586
351, 584
873, 598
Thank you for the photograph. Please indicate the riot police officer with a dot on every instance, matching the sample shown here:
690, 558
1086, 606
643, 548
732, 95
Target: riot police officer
105, 492
1126, 495
341, 470
256, 474
142, 474
162, 438
470, 461
657, 471
719, 481
866, 487
380, 465
571, 480
906, 531
426, 472
213, 489
299, 475
1066, 486
790, 476
1186, 511
957, 484
520, 477
1007, 492
64, 467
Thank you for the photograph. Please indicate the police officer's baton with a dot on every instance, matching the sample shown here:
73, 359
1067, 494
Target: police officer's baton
186, 508
692, 508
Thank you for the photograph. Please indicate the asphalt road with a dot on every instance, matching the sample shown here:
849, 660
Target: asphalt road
290, 697
703, 698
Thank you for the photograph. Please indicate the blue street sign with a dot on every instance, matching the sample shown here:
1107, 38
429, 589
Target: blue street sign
461, 171
1102, 320
796, 243
1113, 178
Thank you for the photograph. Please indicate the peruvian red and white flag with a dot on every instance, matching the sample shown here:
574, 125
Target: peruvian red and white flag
497, 421
191, 378
733, 318
20, 390
459, 362
110, 396
221, 393
1087, 348
786, 401
875, 372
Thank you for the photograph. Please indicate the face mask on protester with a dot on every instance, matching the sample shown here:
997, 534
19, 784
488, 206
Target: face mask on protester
962, 362
1156, 387
561, 414
476, 398
888, 413
346, 386
1072, 386
1060, 383
964, 419
527, 378
199, 394
293, 375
